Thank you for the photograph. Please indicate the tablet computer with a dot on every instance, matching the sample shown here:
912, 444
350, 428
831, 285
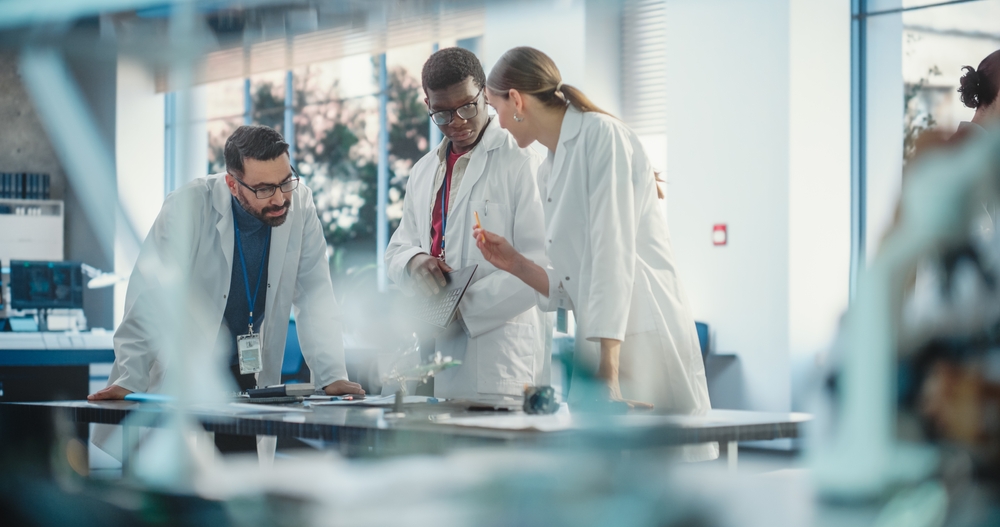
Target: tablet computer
439, 310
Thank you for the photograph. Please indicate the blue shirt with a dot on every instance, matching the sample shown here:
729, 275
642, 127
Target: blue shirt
253, 234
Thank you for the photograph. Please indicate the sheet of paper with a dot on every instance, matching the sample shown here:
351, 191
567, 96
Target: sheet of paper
560, 420
249, 408
244, 408
376, 400
353, 402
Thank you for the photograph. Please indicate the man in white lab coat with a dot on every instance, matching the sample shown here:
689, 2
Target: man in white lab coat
247, 246
499, 335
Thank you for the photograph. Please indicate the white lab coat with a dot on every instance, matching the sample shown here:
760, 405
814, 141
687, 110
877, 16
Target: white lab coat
611, 263
501, 336
298, 275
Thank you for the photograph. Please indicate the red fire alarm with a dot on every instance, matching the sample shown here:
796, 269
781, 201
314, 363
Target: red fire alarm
719, 236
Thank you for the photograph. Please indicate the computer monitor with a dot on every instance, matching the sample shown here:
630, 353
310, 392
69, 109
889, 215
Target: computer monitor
45, 285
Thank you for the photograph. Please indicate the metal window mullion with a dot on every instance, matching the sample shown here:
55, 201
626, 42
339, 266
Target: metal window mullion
289, 114
898, 10
435, 136
859, 191
247, 102
169, 142
382, 224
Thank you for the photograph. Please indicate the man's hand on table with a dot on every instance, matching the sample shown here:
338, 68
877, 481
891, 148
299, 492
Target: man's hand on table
341, 388
111, 393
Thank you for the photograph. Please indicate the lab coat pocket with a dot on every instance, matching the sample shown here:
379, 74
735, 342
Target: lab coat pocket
506, 359
493, 217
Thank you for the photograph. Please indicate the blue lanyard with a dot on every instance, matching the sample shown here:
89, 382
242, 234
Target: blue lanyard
444, 210
243, 264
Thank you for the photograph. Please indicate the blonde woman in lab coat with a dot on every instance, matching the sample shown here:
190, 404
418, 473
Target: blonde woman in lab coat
607, 241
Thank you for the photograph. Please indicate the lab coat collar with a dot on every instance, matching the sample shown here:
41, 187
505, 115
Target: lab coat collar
279, 245
493, 138
968, 129
222, 201
571, 125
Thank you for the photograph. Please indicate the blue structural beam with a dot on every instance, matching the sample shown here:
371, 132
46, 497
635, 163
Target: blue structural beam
859, 139
289, 114
66, 357
382, 227
434, 137
247, 102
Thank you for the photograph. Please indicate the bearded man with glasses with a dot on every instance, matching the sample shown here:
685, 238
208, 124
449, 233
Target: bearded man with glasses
254, 250
477, 169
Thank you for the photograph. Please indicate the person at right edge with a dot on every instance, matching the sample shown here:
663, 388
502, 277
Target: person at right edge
499, 334
607, 240
957, 400
979, 88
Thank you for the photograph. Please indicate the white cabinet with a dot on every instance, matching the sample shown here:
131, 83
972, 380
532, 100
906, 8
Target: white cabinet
31, 230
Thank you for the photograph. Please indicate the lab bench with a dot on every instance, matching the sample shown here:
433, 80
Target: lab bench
50, 365
357, 431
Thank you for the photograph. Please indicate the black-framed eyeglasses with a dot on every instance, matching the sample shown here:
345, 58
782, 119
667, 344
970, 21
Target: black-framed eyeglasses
266, 191
466, 111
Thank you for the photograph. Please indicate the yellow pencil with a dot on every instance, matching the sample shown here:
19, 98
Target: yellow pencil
482, 237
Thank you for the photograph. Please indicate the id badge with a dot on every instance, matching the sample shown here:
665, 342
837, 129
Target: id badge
248, 348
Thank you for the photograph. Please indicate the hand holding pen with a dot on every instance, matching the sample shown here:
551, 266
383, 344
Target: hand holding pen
496, 249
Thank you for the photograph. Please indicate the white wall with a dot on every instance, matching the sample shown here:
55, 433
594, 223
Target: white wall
728, 129
582, 37
192, 135
553, 26
139, 131
758, 138
140, 135
819, 235
602, 54
758, 127
885, 123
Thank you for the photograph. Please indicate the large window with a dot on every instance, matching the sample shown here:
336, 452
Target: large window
908, 57
937, 43
334, 113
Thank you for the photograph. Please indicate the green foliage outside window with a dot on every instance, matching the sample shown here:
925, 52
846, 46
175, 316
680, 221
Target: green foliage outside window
336, 154
917, 115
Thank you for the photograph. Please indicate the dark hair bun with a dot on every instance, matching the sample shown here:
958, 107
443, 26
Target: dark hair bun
971, 84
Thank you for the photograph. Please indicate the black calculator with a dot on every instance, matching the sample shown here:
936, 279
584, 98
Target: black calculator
439, 310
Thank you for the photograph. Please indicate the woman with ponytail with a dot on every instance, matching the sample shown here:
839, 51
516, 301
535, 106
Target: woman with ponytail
607, 240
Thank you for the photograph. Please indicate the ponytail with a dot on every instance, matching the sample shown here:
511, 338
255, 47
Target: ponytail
532, 72
971, 88
979, 86
579, 100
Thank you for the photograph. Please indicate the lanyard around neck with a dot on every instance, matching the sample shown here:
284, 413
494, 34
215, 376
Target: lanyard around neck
444, 209
243, 264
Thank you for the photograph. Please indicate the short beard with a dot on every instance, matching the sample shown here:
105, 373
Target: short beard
270, 221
